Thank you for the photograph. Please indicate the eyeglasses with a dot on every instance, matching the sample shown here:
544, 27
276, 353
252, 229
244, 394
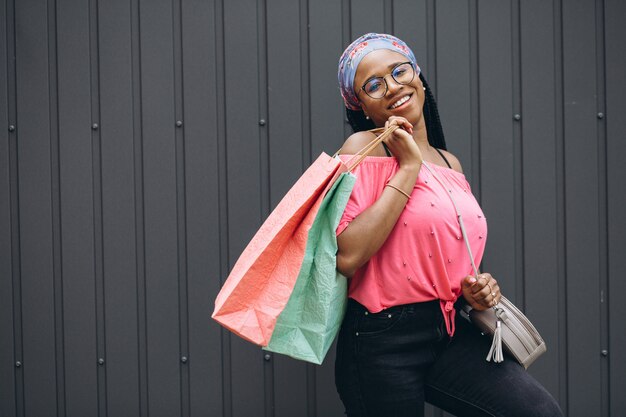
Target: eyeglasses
402, 73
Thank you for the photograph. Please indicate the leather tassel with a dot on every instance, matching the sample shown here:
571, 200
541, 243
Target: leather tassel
495, 352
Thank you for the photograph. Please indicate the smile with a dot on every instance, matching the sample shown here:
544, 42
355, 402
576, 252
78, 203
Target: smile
400, 102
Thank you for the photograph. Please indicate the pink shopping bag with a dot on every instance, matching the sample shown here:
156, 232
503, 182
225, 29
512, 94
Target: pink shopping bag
261, 282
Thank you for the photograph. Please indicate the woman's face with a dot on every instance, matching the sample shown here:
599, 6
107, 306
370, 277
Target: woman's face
379, 63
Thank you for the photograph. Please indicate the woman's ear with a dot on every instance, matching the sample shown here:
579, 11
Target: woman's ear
364, 112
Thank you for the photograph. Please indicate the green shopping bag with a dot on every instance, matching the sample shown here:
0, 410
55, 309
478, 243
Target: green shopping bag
311, 319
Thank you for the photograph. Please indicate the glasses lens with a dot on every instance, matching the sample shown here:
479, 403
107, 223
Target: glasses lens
375, 88
403, 73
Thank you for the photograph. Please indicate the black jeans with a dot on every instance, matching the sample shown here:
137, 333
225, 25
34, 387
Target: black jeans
390, 362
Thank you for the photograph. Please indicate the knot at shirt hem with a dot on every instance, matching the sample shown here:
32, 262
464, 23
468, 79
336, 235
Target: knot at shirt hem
449, 313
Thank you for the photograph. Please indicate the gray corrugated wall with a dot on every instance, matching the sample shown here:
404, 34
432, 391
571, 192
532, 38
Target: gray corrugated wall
145, 141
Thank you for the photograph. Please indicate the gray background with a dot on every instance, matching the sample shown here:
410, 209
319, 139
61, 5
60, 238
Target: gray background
118, 224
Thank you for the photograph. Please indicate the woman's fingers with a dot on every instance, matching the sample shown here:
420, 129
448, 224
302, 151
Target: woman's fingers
486, 290
400, 122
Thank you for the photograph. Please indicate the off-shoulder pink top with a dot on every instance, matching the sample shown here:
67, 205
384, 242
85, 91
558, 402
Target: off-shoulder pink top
424, 258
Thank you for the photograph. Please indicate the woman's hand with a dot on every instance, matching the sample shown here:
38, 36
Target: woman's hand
401, 143
481, 293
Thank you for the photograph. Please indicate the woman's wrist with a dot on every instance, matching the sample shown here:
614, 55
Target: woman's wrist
410, 168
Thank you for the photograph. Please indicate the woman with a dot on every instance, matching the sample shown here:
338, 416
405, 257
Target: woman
400, 245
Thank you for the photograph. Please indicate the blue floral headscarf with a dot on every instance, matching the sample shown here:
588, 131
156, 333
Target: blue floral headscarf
352, 56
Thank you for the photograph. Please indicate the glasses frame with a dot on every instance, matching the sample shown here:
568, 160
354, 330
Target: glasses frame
413, 66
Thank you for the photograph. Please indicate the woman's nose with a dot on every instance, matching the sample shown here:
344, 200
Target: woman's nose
392, 84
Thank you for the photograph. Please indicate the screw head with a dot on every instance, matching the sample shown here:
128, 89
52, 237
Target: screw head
179, 123
11, 128
262, 122
517, 116
94, 126
183, 359
600, 115
101, 361
267, 357
604, 352
18, 364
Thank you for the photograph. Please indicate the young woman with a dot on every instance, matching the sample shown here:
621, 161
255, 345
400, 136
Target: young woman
400, 245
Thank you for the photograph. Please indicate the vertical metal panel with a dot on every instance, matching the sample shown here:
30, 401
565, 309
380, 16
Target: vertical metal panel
139, 199
224, 262
541, 272
76, 208
473, 175
203, 196
181, 219
603, 280
326, 45
366, 16
159, 164
581, 173
97, 208
284, 96
410, 25
244, 178
560, 261
55, 181
7, 199
615, 33
118, 207
35, 209
453, 78
497, 159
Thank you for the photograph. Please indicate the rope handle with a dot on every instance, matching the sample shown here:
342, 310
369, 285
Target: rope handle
358, 157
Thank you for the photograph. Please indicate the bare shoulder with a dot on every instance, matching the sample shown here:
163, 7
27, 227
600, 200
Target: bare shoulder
358, 141
454, 161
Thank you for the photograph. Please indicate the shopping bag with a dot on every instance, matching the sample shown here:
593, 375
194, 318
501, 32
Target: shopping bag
260, 283
311, 319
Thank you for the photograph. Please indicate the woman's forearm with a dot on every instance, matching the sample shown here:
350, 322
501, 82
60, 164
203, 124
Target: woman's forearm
369, 230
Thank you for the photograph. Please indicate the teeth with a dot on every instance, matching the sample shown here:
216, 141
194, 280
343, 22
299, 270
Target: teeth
400, 102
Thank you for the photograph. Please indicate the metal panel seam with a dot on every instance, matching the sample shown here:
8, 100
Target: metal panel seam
181, 207
55, 198
94, 39
142, 347
560, 203
18, 333
518, 158
603, 204
227, 390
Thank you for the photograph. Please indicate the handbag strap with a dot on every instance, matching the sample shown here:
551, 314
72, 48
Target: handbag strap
495, 352
458, 216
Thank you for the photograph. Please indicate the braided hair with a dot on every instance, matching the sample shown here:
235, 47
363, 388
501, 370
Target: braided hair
359, 123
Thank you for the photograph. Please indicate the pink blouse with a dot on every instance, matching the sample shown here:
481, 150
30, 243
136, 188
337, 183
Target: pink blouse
424, 258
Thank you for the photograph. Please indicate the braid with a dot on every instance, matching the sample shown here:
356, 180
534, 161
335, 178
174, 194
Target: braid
431, 117
357, 120
359, 123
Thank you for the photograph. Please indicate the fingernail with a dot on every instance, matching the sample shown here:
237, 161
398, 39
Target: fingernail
472, 280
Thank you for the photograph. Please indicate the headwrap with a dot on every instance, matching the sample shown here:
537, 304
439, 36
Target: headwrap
352, 56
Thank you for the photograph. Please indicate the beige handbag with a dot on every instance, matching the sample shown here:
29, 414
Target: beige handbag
505, 322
